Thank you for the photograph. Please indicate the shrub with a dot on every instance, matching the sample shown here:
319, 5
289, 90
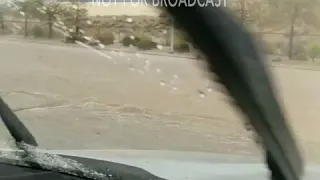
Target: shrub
182, 35
58, 35
267, 48
181, 46
68, 40
38, 31
73, 37
299, 51
105, 37
93, 43
146, 43
5, 30
128, 40
277, 59
314, 52
270, 47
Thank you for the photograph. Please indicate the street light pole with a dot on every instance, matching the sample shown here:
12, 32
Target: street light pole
25, 10
172, 36
77, 18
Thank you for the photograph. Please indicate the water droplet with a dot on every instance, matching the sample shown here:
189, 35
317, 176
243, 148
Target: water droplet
87, 38
129, 20
141, 72
159, 46
209, 90
132, 37
42, 11
101, 45
61, 23
9, 4
146, 65
89, 22
162, 83
22, 13
131, 68
158, 70
174, 88
175, 76
201, 94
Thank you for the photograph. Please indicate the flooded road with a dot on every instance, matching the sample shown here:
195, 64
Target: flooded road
72, 98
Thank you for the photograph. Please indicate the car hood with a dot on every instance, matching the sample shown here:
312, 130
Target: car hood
176, 165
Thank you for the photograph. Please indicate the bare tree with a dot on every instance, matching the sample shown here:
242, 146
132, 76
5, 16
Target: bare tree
76, 16
302, 11
23, 6
49, 9
241, 11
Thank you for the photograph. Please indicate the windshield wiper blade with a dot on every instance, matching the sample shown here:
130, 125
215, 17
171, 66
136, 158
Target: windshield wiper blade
233, 57
26, 142
15, 127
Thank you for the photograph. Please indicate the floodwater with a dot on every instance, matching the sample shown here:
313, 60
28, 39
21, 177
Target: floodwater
73, 98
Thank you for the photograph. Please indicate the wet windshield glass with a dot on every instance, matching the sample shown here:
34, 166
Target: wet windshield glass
115, 75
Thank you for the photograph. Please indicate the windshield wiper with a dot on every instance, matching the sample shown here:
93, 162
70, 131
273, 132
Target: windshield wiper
15, 127
232, 56
26, 142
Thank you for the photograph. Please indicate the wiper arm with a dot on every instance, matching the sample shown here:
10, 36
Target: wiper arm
25, 141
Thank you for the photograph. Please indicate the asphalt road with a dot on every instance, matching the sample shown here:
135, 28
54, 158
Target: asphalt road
73, 98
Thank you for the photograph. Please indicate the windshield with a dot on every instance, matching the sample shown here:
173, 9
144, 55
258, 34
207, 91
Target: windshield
123, 76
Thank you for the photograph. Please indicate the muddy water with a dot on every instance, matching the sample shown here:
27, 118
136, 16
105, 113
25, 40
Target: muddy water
75, 99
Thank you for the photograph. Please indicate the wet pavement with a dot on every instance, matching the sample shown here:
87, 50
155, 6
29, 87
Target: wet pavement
72, 98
